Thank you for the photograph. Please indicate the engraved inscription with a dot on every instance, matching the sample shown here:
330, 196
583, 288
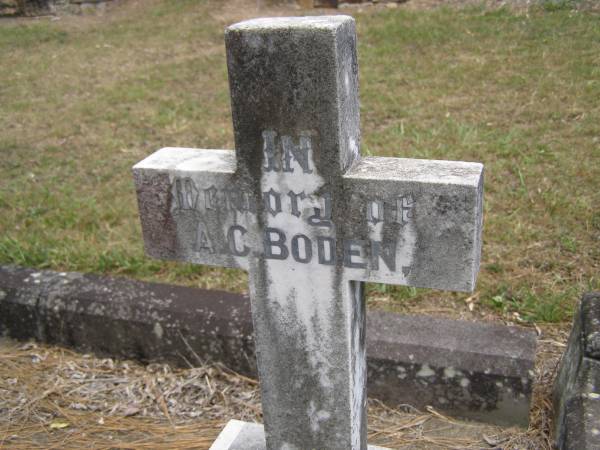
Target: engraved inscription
210, 198
236, 200
316, 210
276, 244
214, 204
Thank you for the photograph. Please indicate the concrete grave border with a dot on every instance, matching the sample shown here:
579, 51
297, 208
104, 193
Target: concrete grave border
464, 369
577, 385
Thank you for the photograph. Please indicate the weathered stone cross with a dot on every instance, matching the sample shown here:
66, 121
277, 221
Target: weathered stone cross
297, 207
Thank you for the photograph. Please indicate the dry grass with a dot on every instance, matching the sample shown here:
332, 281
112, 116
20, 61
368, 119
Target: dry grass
54, 398
84, 98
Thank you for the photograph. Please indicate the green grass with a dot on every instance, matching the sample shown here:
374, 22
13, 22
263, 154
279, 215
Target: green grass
83, 99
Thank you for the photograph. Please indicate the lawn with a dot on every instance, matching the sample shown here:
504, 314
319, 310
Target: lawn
84, 98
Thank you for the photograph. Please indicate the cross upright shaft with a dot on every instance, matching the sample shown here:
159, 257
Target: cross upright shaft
294, 93
309, 220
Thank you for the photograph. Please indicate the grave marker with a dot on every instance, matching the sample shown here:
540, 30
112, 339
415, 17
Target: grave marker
297, 207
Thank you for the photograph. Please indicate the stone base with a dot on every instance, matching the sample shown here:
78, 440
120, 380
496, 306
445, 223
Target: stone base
238, 435
33, 8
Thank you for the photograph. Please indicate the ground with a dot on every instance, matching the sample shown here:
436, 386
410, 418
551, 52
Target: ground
54, 398
517, 88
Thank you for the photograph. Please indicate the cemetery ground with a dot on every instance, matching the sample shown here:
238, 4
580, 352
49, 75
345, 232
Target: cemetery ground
56, 398
83, 99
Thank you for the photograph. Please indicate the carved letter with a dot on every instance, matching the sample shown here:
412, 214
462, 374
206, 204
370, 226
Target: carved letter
326, 252
269, 243
307, 248
202, 240
272, 202
325, 220
210, 198
270, 151
179, 194
186, 193
238, 200
300, 153
404, 208
294, 201
375, 211
191, 193
354, 248
387, 252
232, 244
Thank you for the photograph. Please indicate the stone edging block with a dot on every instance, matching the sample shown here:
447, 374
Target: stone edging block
464, 369
577, 385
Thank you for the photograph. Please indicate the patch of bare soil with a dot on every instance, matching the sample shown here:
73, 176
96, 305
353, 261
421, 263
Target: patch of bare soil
52, 397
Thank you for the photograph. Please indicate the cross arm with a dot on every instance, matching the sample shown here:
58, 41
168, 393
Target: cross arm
186, 197
429, 213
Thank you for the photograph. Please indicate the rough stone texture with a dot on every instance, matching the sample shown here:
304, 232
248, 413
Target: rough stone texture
577, 386
411, 359
298, 209
239, 435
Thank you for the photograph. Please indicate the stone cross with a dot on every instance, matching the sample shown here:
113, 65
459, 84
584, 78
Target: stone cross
297, 207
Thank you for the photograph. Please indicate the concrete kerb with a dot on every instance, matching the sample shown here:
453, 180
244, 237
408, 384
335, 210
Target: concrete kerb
577, 385
464, 369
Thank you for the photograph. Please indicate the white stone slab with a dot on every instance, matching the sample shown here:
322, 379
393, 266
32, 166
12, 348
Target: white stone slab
238, 435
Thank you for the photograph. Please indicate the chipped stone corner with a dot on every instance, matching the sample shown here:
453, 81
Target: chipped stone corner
577, 387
